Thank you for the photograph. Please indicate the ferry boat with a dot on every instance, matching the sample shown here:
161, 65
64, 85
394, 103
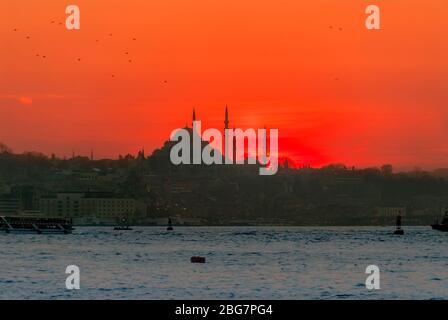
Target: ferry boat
39, 225
123, 226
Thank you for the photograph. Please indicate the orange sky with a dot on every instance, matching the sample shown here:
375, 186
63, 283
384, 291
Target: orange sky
354, 96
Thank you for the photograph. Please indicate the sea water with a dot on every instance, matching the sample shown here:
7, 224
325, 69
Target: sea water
241, 263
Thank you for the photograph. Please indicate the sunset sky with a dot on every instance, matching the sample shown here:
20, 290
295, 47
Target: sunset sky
336, 91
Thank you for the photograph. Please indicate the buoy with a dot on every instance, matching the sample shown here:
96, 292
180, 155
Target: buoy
197, 259
170, 225
398, 230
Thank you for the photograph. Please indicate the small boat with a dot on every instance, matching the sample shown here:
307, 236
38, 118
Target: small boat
170, 225
123, 227
398, 230
441, 226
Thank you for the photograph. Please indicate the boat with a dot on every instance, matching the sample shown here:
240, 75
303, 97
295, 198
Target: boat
170, 225
38, 225
441, 226
123, 226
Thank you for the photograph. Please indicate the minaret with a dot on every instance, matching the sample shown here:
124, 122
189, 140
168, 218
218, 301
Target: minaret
262, 151
91, 155
226, 120
226, 137
234, 146
194, 117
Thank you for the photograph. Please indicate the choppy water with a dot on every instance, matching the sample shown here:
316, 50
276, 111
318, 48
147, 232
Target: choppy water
242, 263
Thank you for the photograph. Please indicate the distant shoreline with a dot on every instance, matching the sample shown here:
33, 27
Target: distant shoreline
248, 225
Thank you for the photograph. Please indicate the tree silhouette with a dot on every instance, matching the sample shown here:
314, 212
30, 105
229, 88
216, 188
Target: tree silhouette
4, 148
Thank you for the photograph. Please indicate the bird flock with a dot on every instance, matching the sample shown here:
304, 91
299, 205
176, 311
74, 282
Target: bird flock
335, 28
340, 29
77, 59
126, 53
